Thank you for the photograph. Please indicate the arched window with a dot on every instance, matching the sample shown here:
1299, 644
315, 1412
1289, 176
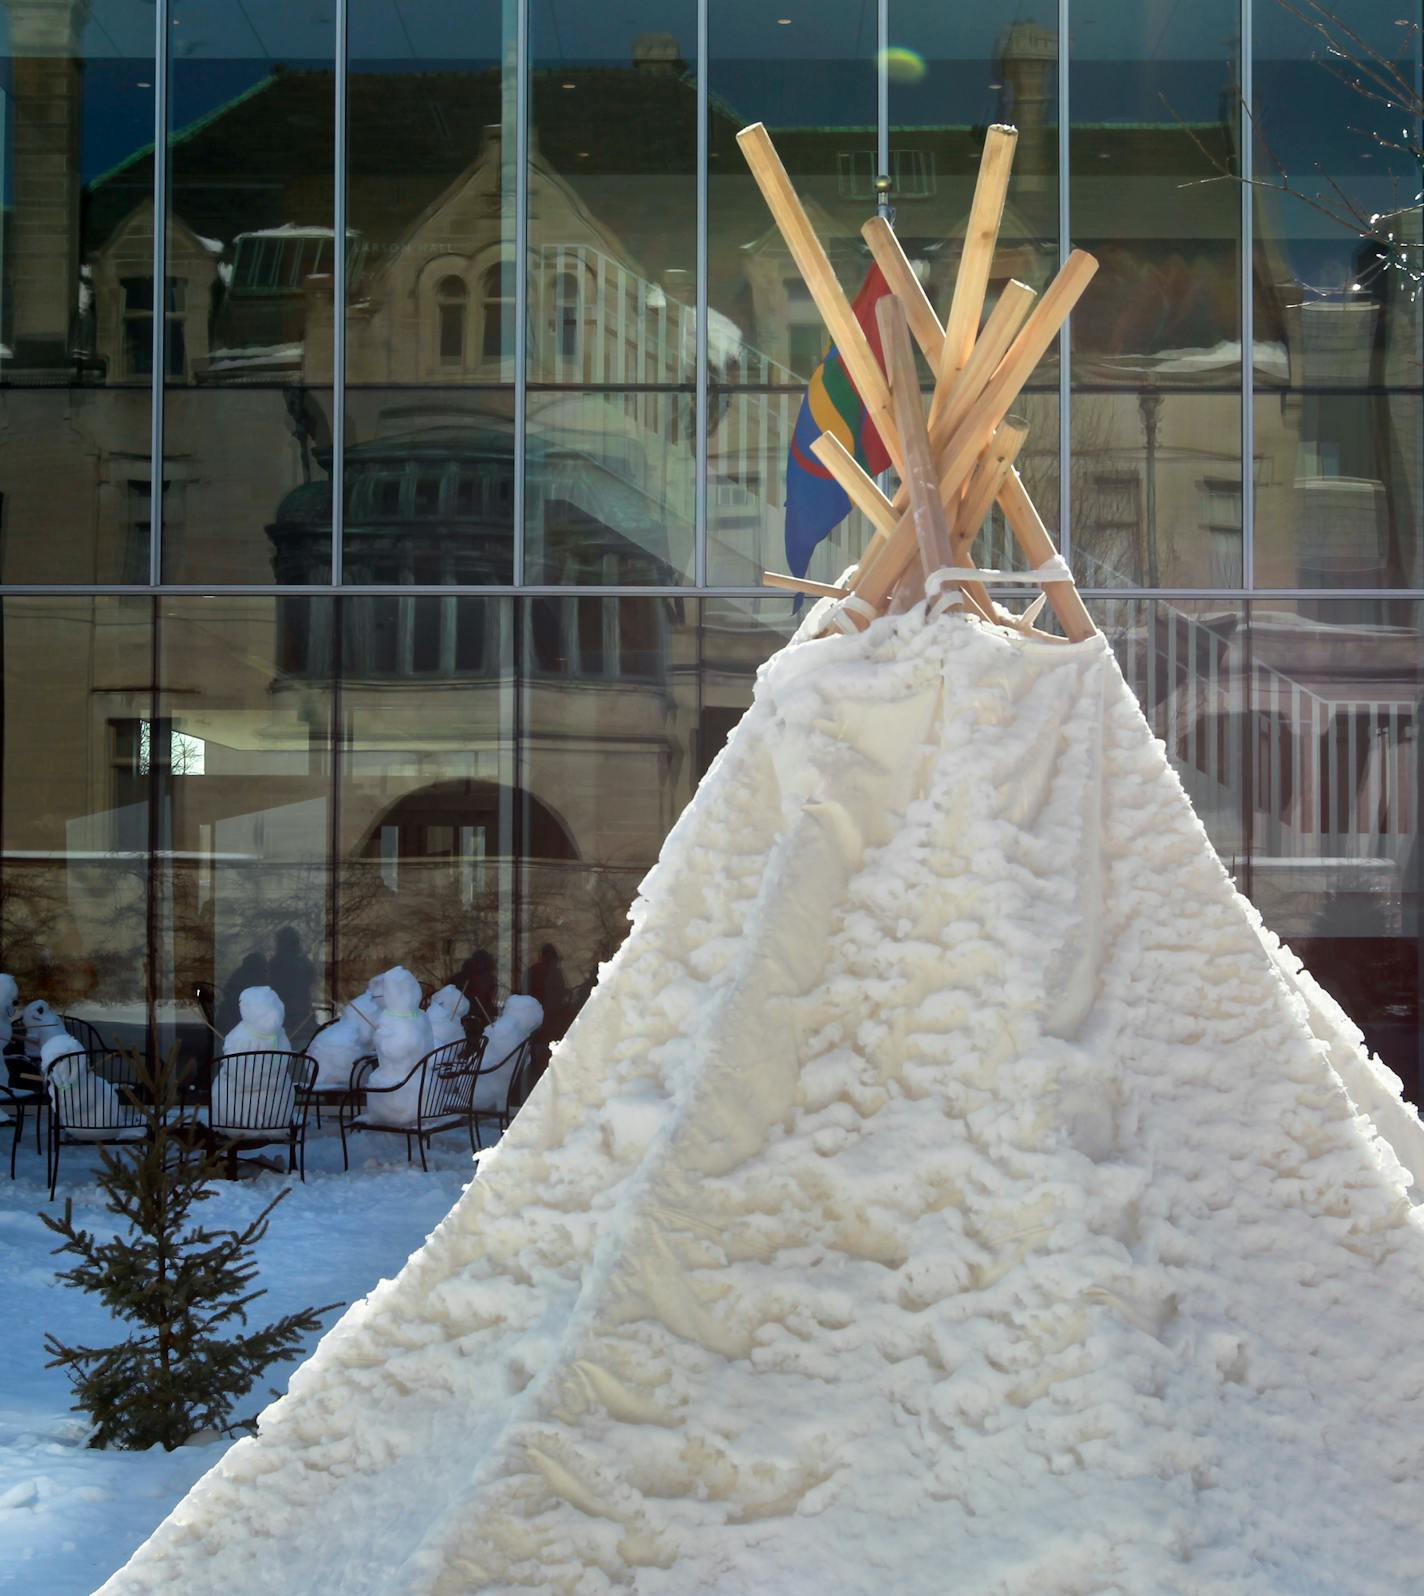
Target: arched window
497, 291
451, 309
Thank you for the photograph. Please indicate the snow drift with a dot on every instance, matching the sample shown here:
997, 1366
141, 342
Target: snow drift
948, 1186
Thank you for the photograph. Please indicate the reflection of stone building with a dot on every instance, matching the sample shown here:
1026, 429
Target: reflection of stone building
514, 762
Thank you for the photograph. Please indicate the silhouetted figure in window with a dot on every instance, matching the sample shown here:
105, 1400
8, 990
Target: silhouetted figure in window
478, 979
545, 981
290, 974
251, 972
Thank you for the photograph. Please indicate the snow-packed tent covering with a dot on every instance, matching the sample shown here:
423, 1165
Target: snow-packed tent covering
949, 1185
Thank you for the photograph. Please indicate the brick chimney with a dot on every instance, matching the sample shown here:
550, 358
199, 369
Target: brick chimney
44, 200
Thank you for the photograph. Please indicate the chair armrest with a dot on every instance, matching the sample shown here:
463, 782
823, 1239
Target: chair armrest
371, 1091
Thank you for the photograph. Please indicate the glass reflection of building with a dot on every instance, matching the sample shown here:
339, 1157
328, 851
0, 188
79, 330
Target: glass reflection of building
444, 588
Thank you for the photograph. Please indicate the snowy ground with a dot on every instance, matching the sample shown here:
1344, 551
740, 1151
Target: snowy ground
70, 1516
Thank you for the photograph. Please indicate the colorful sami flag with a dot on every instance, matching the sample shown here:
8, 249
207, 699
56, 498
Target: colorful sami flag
815, 502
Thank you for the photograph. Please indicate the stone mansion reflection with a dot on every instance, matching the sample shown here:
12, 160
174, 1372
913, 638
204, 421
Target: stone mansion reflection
389, 769
610, 477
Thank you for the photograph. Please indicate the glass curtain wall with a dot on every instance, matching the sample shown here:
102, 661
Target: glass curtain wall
470, 360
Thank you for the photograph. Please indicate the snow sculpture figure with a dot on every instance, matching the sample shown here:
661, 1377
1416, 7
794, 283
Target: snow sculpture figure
520, 1018
337, 1048
447, 1011
41, 1023
9, 1008
260, 1027
246, 1101
403, 1038
87, 1104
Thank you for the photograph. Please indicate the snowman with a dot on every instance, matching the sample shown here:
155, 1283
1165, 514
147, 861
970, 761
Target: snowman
246, 1100
403, 1038
79, 1095
337, 1047
519, 1019
9, 1008
447, 1011
41, 1023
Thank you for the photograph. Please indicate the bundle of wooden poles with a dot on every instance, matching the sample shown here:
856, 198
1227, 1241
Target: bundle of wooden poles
957, 461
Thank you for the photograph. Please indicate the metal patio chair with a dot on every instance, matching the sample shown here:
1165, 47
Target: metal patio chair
93, 1102
259, 1099
84, 1033
517, 1086
445, 1098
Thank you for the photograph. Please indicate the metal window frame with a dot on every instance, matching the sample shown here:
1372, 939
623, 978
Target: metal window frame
162, 29
522, 70
340, 288
1065, 337
1245, 163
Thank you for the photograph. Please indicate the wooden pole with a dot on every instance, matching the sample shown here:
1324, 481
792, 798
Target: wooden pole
875, 581
1033, 538
899, 274
1003, 326
802, 584
984, 487
820, 279
931, 529
862, 489
981, 238
1000, 330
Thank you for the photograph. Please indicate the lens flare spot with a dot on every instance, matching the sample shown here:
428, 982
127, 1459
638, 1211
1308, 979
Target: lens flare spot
903, 65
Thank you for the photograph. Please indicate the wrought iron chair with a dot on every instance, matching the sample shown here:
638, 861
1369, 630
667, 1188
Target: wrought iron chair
24, 1091
444, 1086
517, 1085
16, 1112
259, 1099
27, 1091
84, 1033
315, 1096
93, 1102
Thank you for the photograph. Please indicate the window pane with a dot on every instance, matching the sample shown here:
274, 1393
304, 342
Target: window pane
1186, 662
429, 486
78, 84
813, 83
74, 889
737, 636
610, 486
1335, 692
1338, 488
247, 421
1155, 113
1157, 489
427, 863
430, 174
1338, 318
612, 291
606, 767
244, 705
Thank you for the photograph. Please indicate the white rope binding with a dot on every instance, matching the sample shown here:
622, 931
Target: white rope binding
941, 584
840, 616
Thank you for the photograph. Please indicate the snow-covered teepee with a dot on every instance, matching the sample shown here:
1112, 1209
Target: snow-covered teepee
950, 1186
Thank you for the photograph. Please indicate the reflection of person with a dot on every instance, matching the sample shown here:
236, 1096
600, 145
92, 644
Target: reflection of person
478, 980
290, 974
251, 972
545, 981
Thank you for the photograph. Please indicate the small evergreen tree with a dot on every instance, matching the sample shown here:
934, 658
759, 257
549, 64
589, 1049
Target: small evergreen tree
185, 1287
